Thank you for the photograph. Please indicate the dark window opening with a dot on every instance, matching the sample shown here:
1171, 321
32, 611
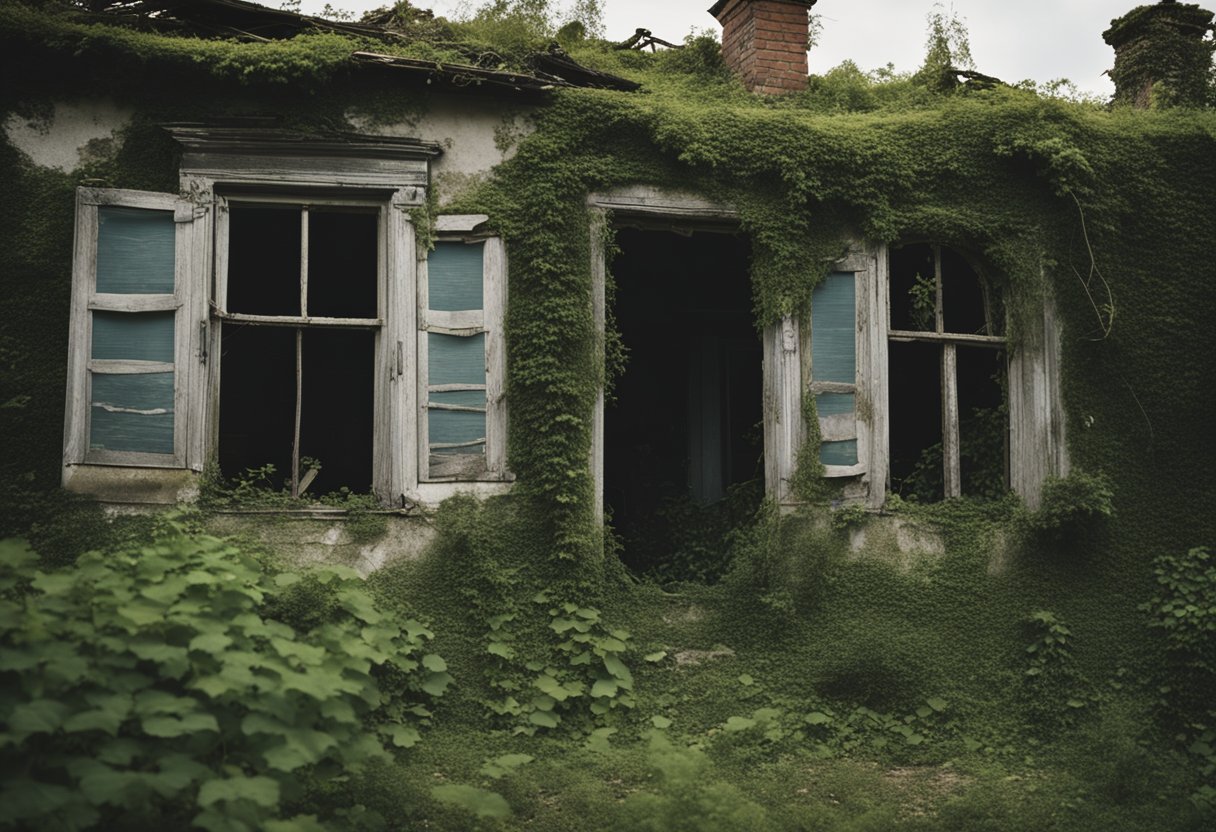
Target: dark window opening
946, 379
258, 402
297, 393
684, 435
915, 399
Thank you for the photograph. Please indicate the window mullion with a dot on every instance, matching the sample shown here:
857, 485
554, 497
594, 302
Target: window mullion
295, 444
950, 429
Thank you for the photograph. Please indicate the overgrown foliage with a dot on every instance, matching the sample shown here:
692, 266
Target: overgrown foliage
168, 684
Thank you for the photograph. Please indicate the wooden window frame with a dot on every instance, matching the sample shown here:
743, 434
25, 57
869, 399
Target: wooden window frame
221, 317
489, 320
949, 343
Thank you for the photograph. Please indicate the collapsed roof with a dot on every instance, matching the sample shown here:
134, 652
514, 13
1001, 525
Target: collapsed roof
245, 21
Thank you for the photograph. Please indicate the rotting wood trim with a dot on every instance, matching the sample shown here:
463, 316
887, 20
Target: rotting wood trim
906, 335
111, 366
296, 321
133, 303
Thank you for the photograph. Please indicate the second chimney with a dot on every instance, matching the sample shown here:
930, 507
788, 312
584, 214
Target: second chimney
765, 42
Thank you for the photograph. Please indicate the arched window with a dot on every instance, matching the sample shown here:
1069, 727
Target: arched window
946, 377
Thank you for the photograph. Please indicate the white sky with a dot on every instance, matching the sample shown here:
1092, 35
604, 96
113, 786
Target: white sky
1011, 39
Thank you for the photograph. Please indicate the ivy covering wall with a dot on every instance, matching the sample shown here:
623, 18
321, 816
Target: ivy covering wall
1110, 210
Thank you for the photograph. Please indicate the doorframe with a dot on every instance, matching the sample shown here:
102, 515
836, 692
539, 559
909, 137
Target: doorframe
658, 209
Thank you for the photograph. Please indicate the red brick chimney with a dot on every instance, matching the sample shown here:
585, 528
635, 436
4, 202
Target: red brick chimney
765, 42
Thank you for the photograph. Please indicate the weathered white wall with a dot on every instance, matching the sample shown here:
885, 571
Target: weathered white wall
476, 134
69, 133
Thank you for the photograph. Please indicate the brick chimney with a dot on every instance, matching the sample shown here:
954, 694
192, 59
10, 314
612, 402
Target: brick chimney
1161, 55
765, 42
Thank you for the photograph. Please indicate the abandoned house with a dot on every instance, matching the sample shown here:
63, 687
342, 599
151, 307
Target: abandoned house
302, 251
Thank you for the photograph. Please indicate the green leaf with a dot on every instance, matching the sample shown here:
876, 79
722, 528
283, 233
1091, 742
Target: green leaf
41, 716
481, 802
54, 583
817, 718
746, 679
738, 723
655, 657
660, 722
436, 683
604, 687
499, 648
504, 765
403, 736
618, 669
300, 747
551, 687
937, 703
434, 662
169, 726
210, 643
111, 713
544, 719
141, 613
262, 791
159, 702
599, 739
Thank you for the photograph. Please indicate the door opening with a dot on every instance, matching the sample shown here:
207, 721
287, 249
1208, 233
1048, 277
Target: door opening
684, 435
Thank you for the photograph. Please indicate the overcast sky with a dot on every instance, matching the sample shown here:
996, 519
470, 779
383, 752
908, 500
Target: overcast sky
1039, 39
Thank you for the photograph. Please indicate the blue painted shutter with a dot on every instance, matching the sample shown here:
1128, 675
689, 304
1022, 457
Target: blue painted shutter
132, 373
834, 362
456, 364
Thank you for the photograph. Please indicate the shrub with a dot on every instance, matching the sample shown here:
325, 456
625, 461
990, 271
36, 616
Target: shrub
151, 686
1073, 506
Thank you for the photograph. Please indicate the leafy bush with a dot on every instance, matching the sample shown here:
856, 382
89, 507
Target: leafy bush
151, 685
688, 798
1073, 506
1052, 688
1184, 608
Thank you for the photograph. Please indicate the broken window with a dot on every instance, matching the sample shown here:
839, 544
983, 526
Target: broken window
946, 377
297, 295
279, 313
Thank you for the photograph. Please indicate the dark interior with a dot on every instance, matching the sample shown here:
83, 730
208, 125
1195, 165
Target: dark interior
915, 381
914, 388
685, 425
258, 364
258, 400
263, 259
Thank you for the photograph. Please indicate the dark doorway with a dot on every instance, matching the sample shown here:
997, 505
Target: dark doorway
683, 436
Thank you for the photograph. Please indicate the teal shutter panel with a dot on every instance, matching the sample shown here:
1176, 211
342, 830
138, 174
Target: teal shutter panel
456, 429
133, 336
131, 412
834, 329
454, 277
131, 404
455, 359
135, 251
834, 361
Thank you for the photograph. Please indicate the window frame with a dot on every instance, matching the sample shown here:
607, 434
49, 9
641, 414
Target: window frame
949, 343
220, 316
